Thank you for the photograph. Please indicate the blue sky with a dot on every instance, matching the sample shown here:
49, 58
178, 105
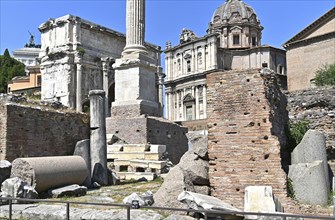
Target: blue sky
164, 18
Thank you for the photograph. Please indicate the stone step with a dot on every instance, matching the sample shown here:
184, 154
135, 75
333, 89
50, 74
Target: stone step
132, 156
136, 175
153, 148
141, 163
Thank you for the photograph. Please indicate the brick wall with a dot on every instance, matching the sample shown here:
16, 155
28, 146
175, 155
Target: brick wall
31, 132
246, 121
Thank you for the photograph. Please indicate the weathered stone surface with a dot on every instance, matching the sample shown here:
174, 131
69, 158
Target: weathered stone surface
102, 199
195, 169
52, 132
309, 182
311, 148
134, 196
98, 145
5, 168
17, 188
147, 197
72, 190
317, 106
198, 143
113, 179
258, 199
58, 212
83, 149
179, 217
44, 173
153, 130
190, 174
199, 201
172, 186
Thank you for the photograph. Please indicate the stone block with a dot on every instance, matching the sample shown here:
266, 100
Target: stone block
258, 199
131, 156
5, 168
152, 156
157, 164
154, 148
309, 182
72, 190
121, 162
131, 148
311, 148
111, 156
18, 188
199, 202
114, 148
133, 197
136, 175
139, 163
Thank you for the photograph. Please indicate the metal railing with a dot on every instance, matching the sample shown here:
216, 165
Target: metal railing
205, 213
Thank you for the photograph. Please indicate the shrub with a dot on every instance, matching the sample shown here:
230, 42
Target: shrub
296, 132
325, 75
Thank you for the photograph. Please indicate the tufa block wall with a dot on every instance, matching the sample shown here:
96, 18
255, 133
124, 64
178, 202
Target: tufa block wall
246, 129
34, 132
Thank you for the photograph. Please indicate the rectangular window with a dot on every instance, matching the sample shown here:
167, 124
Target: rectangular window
39, 80
236, 39
253, 41
188, 66
189, 113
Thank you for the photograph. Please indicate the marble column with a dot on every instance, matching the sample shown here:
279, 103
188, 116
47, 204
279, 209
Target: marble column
98, 149
135, 26
160, 90
197, 106
78, 61
106, 61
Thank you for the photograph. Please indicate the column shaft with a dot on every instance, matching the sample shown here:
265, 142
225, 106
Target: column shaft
98, 137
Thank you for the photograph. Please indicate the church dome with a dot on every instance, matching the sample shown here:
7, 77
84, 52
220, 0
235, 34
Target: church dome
234, 11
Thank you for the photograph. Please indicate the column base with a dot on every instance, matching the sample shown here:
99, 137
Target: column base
129, 109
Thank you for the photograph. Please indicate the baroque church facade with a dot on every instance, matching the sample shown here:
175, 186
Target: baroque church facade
232, 42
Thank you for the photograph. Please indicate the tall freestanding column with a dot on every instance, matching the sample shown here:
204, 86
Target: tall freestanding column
98, 143
136, 72
135, 26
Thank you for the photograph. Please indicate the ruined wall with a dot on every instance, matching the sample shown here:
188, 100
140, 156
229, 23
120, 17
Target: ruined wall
246, 121
317, 106
32, 131
152, 130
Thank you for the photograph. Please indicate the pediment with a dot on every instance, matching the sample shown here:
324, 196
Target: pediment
236, 28
317, 28
188, 98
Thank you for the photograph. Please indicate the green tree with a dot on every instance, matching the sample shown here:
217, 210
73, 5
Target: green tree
325, 75
9, 68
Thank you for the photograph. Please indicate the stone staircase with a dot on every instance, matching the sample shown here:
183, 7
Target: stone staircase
136, 161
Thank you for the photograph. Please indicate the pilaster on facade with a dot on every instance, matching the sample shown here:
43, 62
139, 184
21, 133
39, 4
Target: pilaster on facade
197, 104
